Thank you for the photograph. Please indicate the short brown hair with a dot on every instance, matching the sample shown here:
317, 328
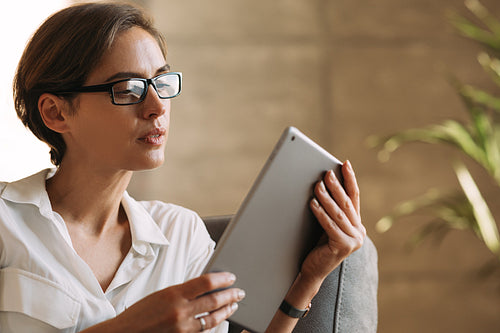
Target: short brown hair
63, 52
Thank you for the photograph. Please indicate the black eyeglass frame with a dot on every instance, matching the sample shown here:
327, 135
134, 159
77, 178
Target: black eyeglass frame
108, 87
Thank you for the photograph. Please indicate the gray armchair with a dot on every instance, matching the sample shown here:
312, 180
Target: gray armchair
347, 300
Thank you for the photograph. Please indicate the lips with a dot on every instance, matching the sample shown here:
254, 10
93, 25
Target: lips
154, 137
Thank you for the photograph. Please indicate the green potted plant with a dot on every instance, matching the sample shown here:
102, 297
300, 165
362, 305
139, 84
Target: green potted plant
477, 138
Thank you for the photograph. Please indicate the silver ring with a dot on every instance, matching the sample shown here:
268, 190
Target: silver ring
203, 324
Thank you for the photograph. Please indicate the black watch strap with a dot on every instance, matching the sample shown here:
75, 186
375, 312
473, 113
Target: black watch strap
293, 312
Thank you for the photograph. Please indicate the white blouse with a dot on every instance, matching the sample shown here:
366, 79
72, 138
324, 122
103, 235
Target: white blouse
46, 287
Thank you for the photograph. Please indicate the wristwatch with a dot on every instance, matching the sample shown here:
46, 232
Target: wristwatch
293, 312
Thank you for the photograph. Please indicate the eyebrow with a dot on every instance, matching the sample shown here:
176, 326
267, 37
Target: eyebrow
128, 75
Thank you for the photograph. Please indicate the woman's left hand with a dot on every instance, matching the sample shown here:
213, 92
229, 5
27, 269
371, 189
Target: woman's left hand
337, 209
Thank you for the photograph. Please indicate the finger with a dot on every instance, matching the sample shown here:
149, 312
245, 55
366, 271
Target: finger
332, 209
202, 322
345, 242
342, 199
351, 185
217, 300
216, 317
334, 230
207, 282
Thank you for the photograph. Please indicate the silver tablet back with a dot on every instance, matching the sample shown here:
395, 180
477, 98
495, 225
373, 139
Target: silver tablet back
274, 229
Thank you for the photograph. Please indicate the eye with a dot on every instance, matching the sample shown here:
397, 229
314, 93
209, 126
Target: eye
131, 92
162, 85
128, 91
167, 85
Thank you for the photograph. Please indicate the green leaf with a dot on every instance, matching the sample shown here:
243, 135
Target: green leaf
478, 138
484, 15
485, 221
435, 229
470, 30
451, 208
452, 211
491, 66
489, 35
450, 132
480, 97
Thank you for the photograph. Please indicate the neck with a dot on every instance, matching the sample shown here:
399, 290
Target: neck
88, 197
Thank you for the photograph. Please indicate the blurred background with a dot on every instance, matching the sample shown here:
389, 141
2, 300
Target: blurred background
339, 70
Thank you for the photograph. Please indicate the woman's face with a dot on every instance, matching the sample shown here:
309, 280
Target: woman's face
121, 137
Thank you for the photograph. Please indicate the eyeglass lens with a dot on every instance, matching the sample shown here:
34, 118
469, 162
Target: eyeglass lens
133, 91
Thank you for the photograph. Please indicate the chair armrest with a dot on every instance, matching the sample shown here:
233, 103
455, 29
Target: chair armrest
347, 299
216, 225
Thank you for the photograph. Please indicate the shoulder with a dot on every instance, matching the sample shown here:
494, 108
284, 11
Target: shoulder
30, 189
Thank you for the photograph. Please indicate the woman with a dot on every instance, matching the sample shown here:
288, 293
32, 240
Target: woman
77, 252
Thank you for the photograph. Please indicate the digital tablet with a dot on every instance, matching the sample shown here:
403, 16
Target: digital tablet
268, 238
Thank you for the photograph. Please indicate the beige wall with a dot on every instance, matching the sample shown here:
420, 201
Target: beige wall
340, 71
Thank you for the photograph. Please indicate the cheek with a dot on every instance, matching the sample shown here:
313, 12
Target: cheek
166, 122
100, 128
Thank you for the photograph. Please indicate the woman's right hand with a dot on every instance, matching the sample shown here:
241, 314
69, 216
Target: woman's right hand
177, 308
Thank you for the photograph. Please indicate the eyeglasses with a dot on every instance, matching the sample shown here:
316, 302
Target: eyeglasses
134, 90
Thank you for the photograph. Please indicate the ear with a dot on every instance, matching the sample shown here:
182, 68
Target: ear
52, 109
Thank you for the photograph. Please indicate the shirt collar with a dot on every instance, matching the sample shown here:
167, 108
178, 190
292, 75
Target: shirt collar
30, 190
143, 228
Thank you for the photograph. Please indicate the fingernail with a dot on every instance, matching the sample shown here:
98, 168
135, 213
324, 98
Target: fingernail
322, 187
349, 166
315, 203
332, 176
231, 277
234, 306
241, 294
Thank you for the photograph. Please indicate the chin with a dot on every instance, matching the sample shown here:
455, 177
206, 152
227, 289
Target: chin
148, 163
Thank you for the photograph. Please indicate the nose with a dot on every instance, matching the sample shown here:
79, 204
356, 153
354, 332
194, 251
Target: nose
153, 106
